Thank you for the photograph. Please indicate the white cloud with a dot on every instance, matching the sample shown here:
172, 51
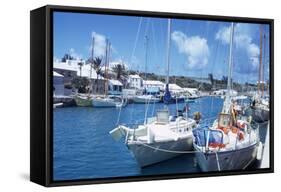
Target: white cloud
195, 48
99, 44
243, 40
223, 35
74, 54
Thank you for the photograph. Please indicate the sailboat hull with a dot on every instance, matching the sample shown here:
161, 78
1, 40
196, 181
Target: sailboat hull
105, 103
83, 102
260, 115
148, 154
227, 160
143, 100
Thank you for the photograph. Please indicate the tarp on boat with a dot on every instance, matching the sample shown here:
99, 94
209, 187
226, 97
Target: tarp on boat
201, 136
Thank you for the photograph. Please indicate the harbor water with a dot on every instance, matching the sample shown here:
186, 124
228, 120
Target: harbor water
84, 149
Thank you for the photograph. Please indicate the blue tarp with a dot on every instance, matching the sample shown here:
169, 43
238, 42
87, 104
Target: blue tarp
167, 95
201, 135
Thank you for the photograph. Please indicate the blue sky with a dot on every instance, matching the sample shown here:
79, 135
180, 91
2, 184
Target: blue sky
197, 47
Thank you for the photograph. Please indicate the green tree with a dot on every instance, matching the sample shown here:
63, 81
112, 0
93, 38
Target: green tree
120, 70
96, 64
80, 83
66, 57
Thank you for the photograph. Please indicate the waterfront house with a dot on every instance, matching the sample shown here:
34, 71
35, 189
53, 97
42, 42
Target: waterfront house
192, 91
175, 89
114, 87
135, 81
71, 70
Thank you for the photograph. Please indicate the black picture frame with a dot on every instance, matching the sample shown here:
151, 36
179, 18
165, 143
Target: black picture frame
41, 103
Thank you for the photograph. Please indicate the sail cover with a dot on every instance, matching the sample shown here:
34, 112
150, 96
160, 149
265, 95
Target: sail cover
167, 95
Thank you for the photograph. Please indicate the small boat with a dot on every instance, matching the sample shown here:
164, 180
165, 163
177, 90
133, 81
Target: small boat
231, 142
109, 101
158, 139
57, 105
142, 99
83, 100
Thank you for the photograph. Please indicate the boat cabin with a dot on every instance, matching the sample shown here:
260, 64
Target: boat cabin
163, 117
224, 120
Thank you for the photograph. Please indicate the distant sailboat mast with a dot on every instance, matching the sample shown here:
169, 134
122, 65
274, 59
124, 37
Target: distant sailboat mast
91, 63
107, 52
146, 54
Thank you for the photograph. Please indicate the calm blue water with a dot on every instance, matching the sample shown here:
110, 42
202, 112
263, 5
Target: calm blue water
84, 149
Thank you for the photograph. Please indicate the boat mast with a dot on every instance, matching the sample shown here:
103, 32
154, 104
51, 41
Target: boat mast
91, 63
263, 64
105, 67
260, 64
167, 94
168, 51
230, 59
227, 99
146, 48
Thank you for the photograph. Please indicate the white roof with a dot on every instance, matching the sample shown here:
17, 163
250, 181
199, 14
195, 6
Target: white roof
73, 66
153, 82
115, 82
174, 87
190, 89
55, 74
135, 76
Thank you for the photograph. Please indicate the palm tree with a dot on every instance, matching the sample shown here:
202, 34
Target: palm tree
120, 70
96, 65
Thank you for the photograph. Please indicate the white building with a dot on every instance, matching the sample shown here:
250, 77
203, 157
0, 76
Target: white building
58, 84
72, 65
175, 89
153, 83
135, 81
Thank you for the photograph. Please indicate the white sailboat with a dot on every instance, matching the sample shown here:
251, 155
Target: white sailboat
260, 104
107, 100
231, 142
158, 138
144, 99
